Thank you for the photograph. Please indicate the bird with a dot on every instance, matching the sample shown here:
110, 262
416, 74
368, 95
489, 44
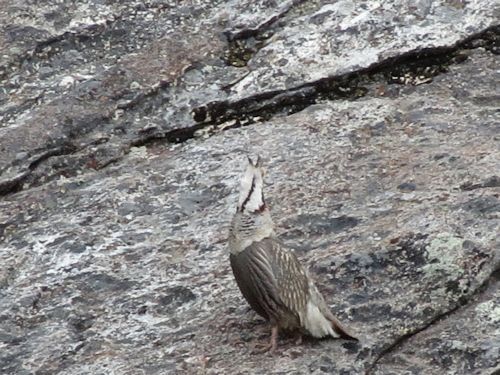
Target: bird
269, 275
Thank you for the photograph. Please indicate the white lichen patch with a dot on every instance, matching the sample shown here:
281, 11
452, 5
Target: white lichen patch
443, 254
490, 311
138, 152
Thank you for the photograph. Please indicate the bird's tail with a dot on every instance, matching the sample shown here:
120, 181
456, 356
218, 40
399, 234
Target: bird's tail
341, 330
337, 329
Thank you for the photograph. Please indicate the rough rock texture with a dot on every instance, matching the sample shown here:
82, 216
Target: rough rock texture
124, 130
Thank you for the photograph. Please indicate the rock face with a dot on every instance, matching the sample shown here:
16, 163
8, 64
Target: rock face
124, 130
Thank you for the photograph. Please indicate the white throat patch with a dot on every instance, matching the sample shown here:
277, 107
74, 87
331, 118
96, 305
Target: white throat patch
251, 190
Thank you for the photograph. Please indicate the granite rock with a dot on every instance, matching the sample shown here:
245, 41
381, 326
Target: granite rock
125, 127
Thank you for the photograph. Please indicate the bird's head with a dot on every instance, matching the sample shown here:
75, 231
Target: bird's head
251, 188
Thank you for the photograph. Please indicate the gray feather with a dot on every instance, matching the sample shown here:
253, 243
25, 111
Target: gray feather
272, 281
269, 276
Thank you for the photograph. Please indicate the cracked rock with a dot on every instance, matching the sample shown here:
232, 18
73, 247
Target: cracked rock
125, 128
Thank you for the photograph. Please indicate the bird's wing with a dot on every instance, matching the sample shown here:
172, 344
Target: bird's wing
254, 274
290, 276
284, 286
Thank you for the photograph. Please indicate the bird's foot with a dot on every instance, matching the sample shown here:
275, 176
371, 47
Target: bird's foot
271, 346
261, 347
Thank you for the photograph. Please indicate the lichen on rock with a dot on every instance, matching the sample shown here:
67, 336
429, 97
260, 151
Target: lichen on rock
124, 130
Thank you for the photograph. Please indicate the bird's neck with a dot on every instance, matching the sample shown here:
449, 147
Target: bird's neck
247, 228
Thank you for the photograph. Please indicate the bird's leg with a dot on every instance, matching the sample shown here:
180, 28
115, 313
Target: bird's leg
274, 339
271, 346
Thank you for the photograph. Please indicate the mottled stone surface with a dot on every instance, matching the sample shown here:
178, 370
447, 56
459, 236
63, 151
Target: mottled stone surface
119, 175
344, 36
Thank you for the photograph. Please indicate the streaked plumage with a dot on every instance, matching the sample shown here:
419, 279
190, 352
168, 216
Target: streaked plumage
269, 276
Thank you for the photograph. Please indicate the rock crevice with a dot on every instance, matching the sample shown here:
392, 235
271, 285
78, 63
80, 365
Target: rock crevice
124, 128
